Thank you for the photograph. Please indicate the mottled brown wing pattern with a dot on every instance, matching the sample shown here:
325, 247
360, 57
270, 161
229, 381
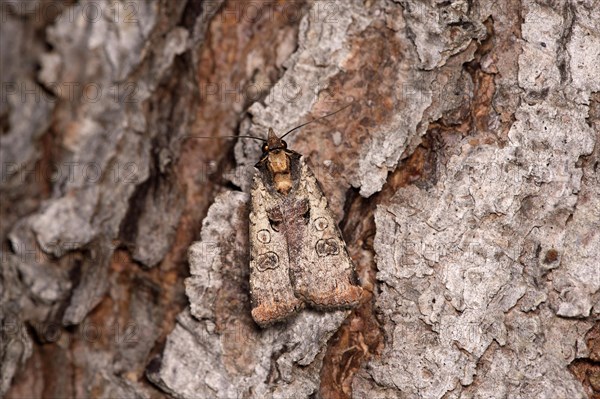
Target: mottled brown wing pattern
297, 252
321, 270
271, 292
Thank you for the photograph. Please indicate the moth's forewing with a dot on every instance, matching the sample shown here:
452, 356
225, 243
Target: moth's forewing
321, 270
271, 293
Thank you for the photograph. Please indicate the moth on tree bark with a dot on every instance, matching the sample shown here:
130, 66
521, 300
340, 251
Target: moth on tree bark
297, 254
465, 184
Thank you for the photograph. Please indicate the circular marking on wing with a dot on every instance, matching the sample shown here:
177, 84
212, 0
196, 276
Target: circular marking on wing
327, 247
263, 236
321, 224
268, 260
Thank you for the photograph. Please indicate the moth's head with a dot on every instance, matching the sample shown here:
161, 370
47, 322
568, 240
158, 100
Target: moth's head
273, 143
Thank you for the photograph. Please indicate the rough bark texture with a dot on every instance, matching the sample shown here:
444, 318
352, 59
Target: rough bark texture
466, 183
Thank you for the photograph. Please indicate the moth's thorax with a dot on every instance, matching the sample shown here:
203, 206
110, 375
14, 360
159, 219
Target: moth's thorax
278, 164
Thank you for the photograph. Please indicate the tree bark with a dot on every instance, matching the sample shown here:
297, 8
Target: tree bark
464, 177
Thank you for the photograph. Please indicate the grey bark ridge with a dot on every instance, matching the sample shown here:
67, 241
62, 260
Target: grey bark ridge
101, 154
482, 281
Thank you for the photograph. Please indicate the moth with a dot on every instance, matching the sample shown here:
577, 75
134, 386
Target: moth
297, 255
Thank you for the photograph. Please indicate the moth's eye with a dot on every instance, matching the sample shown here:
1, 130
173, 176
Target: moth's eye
284, 144
265, 148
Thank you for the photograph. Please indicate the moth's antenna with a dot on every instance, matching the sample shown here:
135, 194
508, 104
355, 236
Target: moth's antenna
248, 137
227, 137
317, 119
